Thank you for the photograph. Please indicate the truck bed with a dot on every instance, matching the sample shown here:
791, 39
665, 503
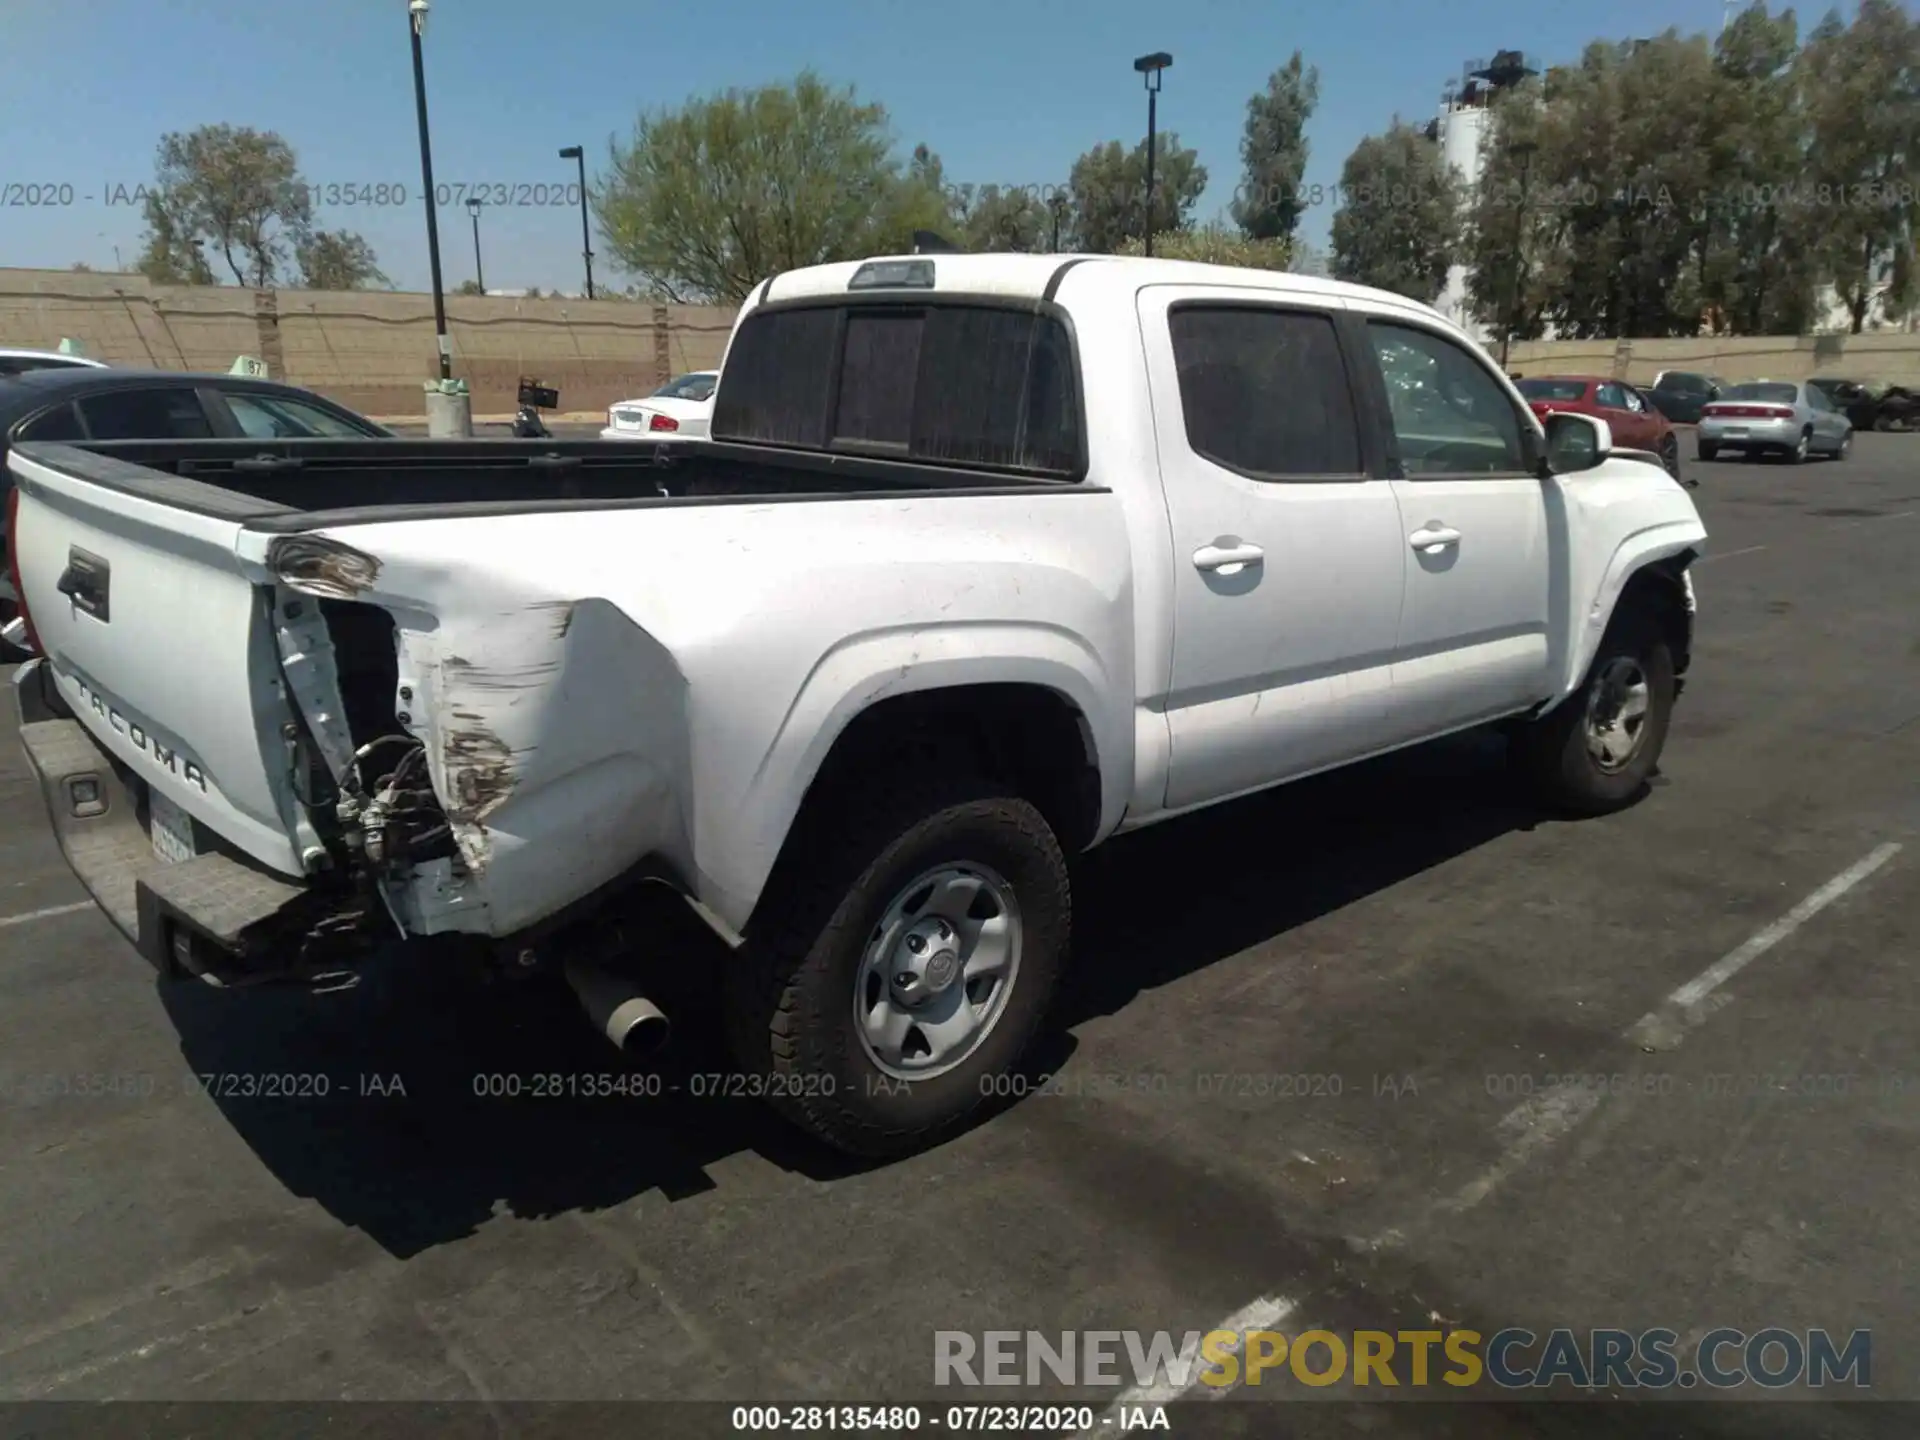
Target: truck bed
286, 485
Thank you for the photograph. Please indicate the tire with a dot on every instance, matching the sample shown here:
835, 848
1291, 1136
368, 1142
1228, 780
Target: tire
1556, 753
1706, 453
1801, 450
1846, 446
791, 991
1670, 456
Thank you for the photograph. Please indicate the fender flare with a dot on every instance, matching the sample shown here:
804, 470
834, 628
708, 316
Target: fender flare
1669, 547
879, 665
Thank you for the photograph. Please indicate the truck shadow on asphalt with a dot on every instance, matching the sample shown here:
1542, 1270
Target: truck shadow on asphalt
447, 1102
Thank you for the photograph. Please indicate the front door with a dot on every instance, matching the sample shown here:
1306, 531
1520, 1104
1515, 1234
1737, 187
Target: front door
1473, 640
1286, 561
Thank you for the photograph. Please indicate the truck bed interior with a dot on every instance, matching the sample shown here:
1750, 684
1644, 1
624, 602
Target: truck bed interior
285, 484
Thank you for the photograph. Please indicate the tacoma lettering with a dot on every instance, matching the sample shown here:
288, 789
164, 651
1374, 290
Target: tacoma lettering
169, 760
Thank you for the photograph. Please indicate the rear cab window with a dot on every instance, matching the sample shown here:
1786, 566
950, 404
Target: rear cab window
958, 381
1766, 394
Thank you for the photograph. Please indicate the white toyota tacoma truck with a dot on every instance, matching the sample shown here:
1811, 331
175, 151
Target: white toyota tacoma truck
991, 558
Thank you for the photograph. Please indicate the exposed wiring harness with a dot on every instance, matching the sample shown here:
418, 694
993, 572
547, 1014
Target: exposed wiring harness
387, 819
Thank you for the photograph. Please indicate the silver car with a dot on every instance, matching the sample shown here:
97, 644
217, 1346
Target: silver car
1779, 417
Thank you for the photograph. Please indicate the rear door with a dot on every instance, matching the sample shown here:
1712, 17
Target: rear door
1616, 408
1473, 636
1644, 418
1286, 566
159, 638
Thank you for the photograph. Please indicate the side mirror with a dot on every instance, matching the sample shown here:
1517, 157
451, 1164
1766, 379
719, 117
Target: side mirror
1576, 442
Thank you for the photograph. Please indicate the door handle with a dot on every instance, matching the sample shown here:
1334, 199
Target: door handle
1228, 559
1434, 538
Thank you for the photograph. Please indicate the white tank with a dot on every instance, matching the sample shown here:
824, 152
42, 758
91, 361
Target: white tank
1463, 130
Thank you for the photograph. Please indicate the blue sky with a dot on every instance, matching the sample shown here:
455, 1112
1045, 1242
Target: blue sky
1007, 91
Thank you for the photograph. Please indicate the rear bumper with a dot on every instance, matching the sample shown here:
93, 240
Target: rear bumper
177, 915
1759, 434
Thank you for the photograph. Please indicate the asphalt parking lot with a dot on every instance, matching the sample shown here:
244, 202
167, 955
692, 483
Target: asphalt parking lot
1313, 1069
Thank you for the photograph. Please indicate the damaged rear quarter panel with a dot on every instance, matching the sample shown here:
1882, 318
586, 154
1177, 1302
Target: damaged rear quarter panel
554, 728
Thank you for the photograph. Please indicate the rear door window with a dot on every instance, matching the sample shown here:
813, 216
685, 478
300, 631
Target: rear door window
170, 412
1264, 391
278, 417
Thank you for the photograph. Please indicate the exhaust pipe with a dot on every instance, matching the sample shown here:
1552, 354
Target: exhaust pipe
629, 1019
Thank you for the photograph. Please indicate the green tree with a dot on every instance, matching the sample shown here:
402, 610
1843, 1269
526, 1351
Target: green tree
1010, 218
172, 254
337, 260
1108, 186
1398, 227
707, 201
1753, 263
239, 191
1273, 151
468, 287
1860, 86
1215, 243
1590, 203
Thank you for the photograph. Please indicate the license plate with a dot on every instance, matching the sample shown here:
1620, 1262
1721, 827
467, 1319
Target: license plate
170, 828
1740, 430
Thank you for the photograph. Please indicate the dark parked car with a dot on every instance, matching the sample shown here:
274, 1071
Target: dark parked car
1871, 404
1680, 395
93, 402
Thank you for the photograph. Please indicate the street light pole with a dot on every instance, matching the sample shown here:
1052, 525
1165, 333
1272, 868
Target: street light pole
576, 152
1150, 67
479, 273
416, 26
1524, 149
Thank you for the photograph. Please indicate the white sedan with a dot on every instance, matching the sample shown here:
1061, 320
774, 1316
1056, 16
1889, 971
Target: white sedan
683, 408
18, 362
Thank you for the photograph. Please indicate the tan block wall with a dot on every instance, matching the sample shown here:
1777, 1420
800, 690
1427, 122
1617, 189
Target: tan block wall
1885, 355
370, 350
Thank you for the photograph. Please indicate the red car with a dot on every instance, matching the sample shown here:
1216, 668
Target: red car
1635, 422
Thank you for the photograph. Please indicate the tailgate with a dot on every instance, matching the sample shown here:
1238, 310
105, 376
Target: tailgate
158, 637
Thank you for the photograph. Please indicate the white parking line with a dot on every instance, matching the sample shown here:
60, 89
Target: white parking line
1184, 1373
1534, 1124
46, 914
1728, 554
1662, 1028
1537, 1123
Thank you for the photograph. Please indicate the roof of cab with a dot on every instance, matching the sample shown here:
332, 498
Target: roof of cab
1031, 277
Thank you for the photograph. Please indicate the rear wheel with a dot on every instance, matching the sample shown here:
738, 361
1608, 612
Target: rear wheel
1670, 456
1595, 752
1801, 449
1707, 451
907, 961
